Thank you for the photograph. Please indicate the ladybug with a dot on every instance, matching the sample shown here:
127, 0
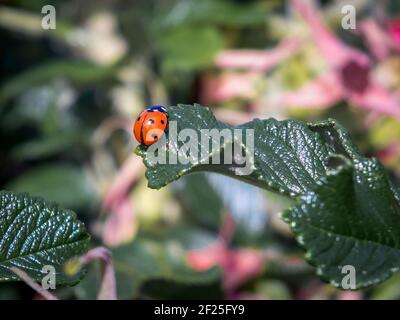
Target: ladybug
151, 125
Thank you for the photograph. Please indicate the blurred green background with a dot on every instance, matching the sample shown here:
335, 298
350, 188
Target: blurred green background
69, 96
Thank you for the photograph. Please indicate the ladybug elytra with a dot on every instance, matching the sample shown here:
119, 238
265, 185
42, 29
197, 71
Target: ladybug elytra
150, 125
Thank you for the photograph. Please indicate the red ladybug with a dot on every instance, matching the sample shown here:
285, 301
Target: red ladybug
151, 125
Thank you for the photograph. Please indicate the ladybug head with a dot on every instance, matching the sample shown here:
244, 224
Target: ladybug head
157, 108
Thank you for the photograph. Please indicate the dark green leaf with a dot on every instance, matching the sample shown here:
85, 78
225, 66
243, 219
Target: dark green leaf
35, 233
351, 218
336, 137
348, 211
288, 157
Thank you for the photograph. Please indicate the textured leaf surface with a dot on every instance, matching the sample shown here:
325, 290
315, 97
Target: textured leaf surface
288, 157
347, 212
35, 233
350, 219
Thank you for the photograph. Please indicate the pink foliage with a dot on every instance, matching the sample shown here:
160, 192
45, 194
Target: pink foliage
120, 225
233, 83
349, 77
378, 40
228, 85
257, 60
350, 295
234, 117
238, 265
131, 170
393, 27
321, 93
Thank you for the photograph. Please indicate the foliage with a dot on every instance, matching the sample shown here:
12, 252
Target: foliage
347, 213
68, 98
35, 233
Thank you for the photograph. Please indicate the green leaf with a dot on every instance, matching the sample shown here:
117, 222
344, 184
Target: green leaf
336, 137
350, 218
64, 184
347, 211
288, 156
35, 233
222, 12
78, 71
49, 145
189, 47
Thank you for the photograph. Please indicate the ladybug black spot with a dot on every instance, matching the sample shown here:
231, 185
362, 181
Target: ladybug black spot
162, 121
